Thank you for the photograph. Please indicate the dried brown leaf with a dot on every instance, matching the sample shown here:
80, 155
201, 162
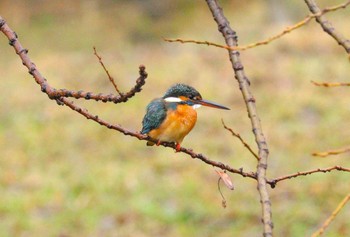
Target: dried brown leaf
226, 178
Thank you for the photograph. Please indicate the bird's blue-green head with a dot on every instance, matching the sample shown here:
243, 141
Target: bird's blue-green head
184, 94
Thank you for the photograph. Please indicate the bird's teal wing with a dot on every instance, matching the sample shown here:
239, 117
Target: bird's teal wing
155, 115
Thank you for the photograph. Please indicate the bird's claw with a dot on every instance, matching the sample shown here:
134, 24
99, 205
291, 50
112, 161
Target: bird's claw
178, 147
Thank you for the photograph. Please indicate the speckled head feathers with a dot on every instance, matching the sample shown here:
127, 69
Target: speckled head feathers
178, 90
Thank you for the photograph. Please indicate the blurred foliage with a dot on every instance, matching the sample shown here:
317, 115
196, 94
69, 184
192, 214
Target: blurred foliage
62, 175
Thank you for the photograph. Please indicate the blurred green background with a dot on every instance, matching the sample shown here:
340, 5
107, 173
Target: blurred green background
62, 175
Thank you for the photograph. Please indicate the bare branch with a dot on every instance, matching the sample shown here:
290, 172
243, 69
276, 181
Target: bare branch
105, 69
244, 85
190, 152
332, 217
273, 182
287, 30
330, 84
327, 25
331, 152
241, 139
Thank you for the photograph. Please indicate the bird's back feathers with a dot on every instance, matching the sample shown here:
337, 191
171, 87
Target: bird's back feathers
155, 115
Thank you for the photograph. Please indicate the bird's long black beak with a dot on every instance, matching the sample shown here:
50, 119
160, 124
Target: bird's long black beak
210, 104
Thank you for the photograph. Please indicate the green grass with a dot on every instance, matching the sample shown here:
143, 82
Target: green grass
61, 174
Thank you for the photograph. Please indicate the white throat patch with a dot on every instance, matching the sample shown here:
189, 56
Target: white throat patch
196, 106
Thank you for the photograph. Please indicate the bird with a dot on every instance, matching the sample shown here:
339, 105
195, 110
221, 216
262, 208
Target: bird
171, 117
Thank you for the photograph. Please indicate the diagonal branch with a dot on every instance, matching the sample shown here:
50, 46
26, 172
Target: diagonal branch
111, 79
332, 217
327, 25
127, 132
61, 99
244, 85
241, 139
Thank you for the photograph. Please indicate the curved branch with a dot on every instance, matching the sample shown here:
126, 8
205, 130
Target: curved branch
56, 94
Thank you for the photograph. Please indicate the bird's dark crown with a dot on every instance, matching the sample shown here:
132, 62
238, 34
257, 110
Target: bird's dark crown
178, 90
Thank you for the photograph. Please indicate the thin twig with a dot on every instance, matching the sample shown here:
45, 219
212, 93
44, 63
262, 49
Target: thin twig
273, 182
330, 84
287, 30
241, 139
331, 152
331, 218
105, 69
327, 25
208, 43
231, 40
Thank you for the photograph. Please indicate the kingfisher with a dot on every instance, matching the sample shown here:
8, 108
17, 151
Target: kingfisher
172, 117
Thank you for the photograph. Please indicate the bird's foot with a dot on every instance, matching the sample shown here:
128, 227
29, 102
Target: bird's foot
178, 147
158, 143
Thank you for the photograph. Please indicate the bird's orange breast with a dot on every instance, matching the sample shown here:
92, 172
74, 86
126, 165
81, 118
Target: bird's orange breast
177, 124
